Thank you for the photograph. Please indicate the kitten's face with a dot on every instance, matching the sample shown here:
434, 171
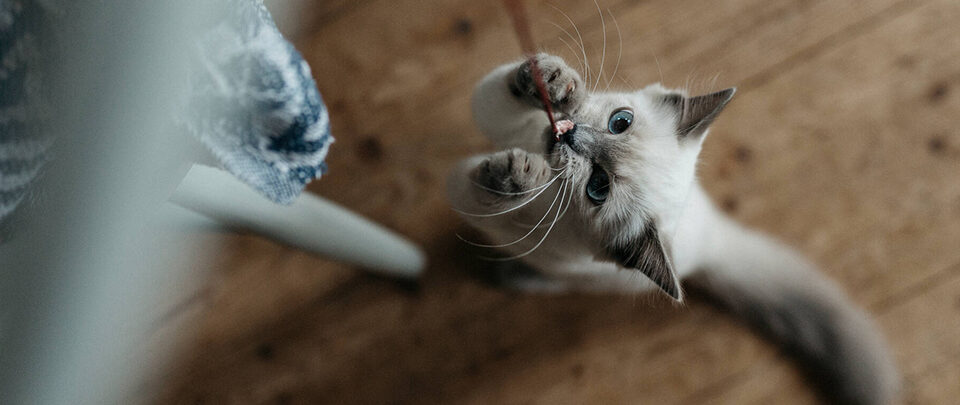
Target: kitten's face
632, 160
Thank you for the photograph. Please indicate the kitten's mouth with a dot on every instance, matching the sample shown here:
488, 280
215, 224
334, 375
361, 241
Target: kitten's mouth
553, 141
559, 145
562, 127
563, 135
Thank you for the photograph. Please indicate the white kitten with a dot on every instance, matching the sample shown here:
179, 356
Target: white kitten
614, 205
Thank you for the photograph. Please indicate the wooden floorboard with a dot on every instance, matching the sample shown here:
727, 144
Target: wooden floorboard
842, 141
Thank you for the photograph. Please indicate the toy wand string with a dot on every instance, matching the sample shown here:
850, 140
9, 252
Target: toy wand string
522, 27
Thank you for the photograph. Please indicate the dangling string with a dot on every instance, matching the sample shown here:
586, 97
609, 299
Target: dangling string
522, 27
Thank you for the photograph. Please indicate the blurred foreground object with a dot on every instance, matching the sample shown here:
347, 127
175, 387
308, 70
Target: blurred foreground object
310, 223
23, 143
255, 105
101, 257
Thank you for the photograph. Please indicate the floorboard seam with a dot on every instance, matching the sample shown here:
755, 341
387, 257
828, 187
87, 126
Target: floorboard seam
846, 35
918, 289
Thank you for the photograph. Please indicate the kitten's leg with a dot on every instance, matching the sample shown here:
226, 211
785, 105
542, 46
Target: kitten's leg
494, 193
507, 109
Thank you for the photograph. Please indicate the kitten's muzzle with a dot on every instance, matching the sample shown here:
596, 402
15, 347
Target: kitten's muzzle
581, 139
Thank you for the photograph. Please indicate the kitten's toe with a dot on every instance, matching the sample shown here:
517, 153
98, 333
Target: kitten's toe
528, 170
491, 172
553, 76
568, 92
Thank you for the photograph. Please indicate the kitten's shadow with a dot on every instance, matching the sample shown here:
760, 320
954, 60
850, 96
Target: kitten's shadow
377, 341
462, 335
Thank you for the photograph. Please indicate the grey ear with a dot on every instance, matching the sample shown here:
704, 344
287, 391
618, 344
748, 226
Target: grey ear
697, 113
646, 254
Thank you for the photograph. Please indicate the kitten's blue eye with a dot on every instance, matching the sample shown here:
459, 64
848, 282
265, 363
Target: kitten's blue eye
598, 187
620, 121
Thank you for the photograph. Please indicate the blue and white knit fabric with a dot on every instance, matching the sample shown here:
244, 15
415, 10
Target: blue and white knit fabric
22, 143
255, 105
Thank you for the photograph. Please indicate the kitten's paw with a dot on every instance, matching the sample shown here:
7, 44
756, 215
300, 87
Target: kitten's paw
511, 173
563, 83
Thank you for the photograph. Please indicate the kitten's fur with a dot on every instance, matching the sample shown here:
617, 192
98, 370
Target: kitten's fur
656, 226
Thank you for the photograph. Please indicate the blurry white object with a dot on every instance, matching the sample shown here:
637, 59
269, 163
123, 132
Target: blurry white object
310, 223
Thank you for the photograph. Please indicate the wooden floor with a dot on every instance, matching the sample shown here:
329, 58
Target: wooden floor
843, 141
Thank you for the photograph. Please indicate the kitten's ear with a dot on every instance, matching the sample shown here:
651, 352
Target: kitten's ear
696, 113
647, 254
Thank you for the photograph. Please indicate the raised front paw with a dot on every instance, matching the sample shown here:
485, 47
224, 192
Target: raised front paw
563, 84
512, 173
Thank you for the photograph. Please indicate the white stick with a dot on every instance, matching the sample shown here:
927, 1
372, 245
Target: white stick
310, 223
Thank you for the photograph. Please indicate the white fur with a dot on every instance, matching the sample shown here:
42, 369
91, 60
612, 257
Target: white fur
666, 170
768, 284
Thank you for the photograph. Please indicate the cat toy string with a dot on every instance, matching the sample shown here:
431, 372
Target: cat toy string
522, 27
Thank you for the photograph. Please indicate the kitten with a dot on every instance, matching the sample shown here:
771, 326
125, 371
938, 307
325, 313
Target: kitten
614, 205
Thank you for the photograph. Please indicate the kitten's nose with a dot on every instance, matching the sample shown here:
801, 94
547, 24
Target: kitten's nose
565, 130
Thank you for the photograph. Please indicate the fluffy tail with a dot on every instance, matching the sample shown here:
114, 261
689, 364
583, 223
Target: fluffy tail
785, 298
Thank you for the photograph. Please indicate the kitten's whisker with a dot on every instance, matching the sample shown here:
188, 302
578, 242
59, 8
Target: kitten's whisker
713, 81
603, 54
569, 184
545, 235
619, 49
686, 85
659, 69
509, 209
498, 192
569, 35
577, 55
534, 228
569, 198
560, 168
586, 61
547, 184
567, 162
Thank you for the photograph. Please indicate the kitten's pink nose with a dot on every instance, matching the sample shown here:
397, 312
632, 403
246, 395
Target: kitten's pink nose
564, 126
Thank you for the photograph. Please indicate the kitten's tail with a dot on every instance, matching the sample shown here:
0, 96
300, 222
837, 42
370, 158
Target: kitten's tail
785, 298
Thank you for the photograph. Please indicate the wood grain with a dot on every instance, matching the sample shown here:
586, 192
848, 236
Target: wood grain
842, 141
